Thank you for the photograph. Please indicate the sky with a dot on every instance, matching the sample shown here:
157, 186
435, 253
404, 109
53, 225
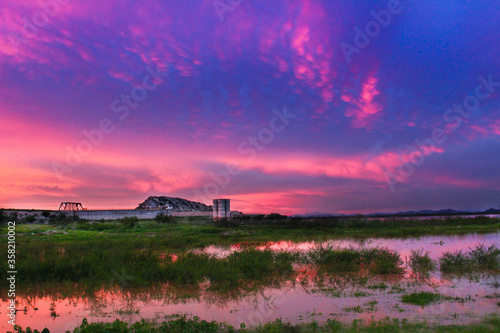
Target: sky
281, 106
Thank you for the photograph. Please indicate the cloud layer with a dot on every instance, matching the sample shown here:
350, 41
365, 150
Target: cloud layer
107, 104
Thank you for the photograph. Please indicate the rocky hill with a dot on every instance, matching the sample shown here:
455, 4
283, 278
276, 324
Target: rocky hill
177, 204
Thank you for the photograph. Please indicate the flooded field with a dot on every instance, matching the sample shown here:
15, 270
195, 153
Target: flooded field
306, 295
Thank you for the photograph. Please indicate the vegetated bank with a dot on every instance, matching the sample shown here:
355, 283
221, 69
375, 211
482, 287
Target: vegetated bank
82, 251
92, 262
188, 232
182, 324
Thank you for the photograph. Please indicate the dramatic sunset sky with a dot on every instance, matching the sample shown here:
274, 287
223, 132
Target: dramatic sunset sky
223, 71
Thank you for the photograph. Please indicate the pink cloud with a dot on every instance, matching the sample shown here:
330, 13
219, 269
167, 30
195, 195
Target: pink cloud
354, 167
491, 128
364, 110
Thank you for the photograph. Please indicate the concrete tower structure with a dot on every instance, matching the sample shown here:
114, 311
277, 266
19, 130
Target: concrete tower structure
221, 209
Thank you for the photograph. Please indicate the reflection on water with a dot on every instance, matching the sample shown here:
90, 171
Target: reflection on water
308, 296
436, 245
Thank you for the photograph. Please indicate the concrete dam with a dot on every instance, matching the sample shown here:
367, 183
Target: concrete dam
152, 207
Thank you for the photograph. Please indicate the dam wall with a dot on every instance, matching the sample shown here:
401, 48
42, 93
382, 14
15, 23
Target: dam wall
114, 214
220, 210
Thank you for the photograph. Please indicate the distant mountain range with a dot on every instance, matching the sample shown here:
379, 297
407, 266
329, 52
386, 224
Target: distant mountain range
180, 204
318, 214
408, 213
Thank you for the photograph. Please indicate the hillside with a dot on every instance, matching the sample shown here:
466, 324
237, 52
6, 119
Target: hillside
178, 204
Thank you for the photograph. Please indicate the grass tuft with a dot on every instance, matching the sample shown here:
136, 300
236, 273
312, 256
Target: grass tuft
479, 258
376, 261
420, 261
421, 298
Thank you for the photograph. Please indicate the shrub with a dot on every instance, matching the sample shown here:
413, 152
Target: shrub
60, 218
225, 223
276, 217
96, 226
129, 221
29, 219
13, 216
46, 213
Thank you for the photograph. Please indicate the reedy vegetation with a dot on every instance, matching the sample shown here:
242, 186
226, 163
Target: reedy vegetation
181, 324
97, 262
479, 258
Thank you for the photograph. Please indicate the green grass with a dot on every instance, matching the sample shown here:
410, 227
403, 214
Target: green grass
116, 263
109, 262
336, 260
107, 253
181, 324
356, 309
197, 232
421, 298
376, 261
362, 222
380, 285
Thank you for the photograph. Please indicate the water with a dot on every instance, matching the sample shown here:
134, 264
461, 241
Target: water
436, 245
302, 299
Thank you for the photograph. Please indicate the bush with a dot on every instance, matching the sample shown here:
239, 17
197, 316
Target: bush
13, 216
96, 226
276, 217
225, 223
46, 213
60, 218
129, 222
29, 219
